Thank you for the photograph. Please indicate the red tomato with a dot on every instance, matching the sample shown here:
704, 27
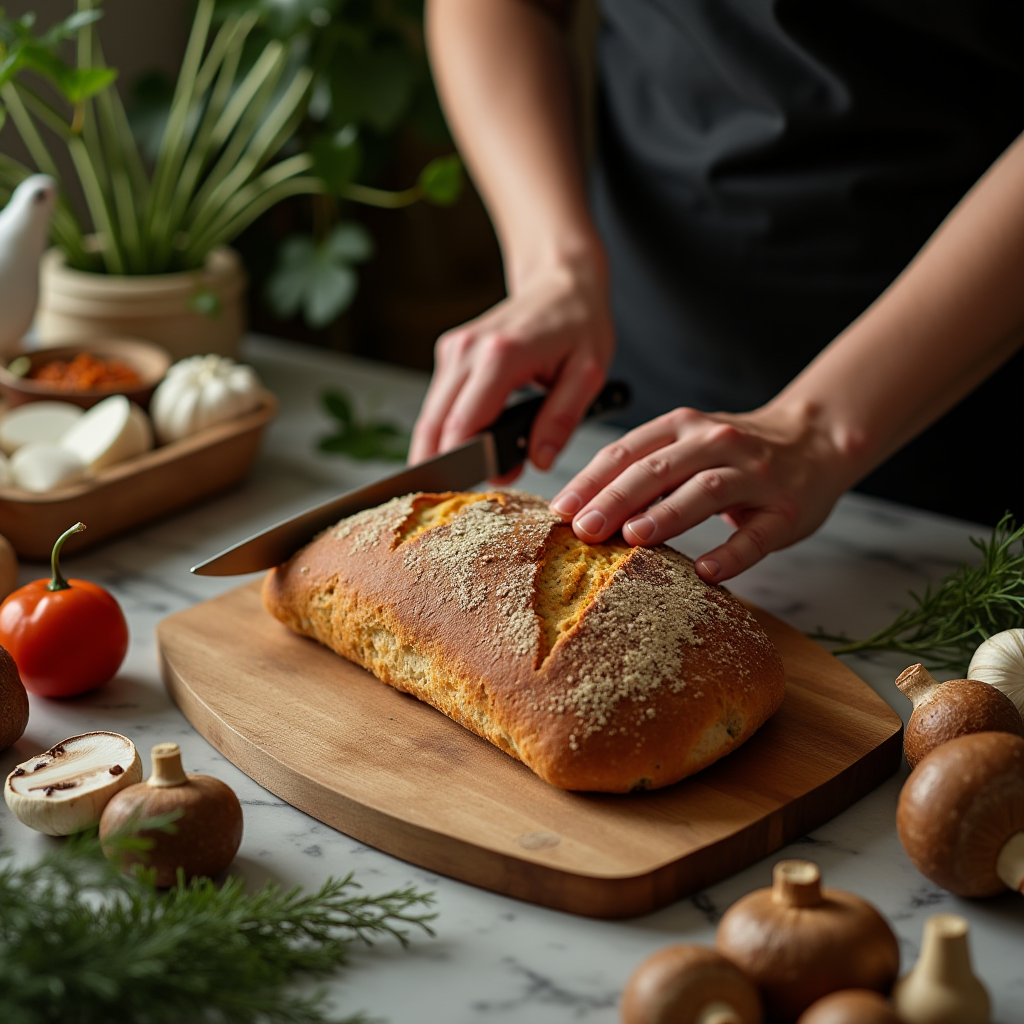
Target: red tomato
66, 636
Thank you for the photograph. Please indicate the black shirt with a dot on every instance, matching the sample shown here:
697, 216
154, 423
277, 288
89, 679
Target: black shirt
765, 168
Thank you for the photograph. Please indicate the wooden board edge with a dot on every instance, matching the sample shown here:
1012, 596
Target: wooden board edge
504, 873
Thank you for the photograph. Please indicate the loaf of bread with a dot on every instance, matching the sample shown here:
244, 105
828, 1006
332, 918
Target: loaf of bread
599, 666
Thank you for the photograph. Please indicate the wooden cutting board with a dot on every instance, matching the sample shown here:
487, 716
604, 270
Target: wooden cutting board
394, 773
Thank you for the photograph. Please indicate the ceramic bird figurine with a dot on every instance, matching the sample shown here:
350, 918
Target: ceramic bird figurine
24, 223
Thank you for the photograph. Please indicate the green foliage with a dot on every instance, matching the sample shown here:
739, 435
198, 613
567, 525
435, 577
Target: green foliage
82, 944
318, 279
441, 180
948, 623
361, 439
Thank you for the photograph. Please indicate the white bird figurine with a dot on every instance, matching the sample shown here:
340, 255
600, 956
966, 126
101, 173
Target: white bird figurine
24, 224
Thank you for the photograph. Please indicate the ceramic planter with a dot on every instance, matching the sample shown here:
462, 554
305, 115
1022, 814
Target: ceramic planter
194, 312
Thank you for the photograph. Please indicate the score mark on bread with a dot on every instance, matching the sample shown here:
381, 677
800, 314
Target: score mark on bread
600, 666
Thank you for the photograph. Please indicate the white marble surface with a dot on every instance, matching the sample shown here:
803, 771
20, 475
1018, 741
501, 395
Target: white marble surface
495, 958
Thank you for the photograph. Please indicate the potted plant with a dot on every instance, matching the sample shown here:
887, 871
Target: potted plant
154, 261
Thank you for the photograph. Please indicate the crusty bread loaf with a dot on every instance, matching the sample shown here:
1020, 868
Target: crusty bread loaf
600, 666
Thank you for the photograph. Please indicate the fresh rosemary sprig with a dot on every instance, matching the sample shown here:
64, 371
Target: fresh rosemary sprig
82, 944
947, 624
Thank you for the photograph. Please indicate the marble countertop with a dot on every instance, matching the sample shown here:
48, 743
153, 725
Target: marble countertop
495, 958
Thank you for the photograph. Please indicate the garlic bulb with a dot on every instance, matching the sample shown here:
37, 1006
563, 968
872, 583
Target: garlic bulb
999, 661
200, 392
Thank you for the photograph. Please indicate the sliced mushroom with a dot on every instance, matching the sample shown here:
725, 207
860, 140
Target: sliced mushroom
960, 815
689, 985
942, 988
850, 1006
65, 789
943, 711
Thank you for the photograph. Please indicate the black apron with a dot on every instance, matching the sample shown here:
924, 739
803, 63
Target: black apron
765, 168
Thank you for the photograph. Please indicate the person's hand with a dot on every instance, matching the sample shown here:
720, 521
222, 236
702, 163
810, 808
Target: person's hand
554, 331
773, 474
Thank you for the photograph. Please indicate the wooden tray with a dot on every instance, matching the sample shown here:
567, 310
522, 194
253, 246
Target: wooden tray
133, 492
379, 765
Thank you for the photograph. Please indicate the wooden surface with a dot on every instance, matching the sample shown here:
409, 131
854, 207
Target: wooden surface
380, 766
130, 493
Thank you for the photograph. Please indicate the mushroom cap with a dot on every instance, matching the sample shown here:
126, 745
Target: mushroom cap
958, 809
957, 708
65, 789
13, 701
850, 1006
676, 984
206, 836
797, 948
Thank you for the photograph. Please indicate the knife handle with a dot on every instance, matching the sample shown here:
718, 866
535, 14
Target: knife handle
511, 430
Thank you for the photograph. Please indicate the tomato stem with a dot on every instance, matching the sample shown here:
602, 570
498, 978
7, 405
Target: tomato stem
57, 582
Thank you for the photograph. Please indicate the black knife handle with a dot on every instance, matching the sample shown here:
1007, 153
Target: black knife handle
511, 430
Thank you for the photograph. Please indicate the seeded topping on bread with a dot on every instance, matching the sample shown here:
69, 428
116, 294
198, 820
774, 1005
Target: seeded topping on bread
600, 666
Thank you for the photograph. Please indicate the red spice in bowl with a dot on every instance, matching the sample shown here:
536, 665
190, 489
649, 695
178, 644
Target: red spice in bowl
86, 372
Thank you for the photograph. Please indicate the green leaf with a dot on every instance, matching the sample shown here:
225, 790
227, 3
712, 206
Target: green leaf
349, 243
205, 302
338, 405
441, 180
317, 279
83, 83
337, 158
371, 85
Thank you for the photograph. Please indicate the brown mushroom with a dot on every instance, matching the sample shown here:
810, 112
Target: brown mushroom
797, 942
850, 1006
689, 985
960, 815
943, 711
13, 701
206, 836
942, 988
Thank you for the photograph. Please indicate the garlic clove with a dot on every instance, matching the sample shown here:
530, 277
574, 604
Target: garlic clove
40, 467
111, 431
37, 421
65, 789
999, 661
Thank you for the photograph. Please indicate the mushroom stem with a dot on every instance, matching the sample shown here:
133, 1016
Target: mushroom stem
916, 683
718, 1013
1010, 865
796, 883
167, 769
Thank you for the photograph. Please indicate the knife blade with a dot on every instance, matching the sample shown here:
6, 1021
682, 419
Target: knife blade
494, 452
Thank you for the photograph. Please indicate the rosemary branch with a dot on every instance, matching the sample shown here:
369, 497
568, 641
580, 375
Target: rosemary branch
82, 944
947, 624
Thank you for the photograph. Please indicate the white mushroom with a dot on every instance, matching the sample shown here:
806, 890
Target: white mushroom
65, 789
37, 421
111, 431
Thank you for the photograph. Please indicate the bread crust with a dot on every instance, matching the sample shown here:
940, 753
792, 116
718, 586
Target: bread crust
601, 667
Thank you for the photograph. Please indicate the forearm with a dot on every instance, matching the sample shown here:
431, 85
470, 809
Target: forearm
949, 321
502, 75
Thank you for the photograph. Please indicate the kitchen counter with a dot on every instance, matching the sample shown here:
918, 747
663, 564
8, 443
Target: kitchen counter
494, 958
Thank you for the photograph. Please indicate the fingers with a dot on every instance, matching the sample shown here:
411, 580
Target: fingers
577, 386
500, 366
426, 436
765, 531
612, 461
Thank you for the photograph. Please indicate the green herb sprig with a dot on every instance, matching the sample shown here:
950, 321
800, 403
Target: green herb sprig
361, 439
948, 623
81, 943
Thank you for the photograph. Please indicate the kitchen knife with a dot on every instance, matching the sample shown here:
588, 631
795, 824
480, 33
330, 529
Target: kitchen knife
496, 451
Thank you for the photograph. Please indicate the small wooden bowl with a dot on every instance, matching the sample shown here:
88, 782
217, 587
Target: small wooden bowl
149, 361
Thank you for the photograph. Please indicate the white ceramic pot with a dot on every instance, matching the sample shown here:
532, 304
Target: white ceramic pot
193, 312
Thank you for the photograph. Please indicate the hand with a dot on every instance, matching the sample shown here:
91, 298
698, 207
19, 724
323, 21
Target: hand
554, 331
773, 474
